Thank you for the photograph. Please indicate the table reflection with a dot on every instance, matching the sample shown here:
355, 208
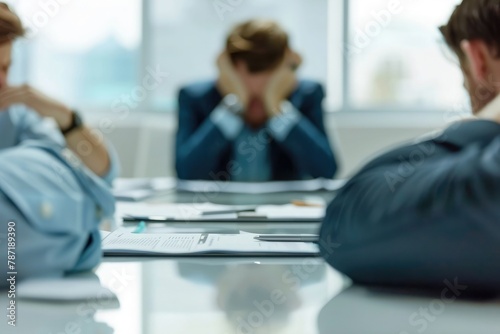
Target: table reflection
256, 298
187, 295
231, 295
402, 311
43, 317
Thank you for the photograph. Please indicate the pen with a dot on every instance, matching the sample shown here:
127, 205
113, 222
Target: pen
139, 219
306, 204
140, 228
221, 212
245, 216
288, 237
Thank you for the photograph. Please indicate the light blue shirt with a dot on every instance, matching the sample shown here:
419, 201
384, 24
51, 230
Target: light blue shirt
234, 129
256, 168
54, 200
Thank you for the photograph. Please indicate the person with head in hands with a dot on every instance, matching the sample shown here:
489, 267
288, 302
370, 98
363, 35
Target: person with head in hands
428, 213
55, 178
257, 122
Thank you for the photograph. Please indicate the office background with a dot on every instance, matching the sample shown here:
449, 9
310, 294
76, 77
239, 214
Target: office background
387, 74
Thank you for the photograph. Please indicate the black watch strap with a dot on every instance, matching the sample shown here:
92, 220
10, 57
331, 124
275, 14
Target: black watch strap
76, 123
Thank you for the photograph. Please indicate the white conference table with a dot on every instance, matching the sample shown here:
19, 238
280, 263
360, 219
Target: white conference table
215, 296
248, 295
208, 296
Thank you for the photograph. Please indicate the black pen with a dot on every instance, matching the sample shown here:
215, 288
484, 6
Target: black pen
288, 237
240, 215
137, 219
222, 212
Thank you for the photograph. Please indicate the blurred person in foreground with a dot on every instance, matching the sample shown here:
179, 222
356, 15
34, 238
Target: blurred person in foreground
55, 178
256, 122
428, 213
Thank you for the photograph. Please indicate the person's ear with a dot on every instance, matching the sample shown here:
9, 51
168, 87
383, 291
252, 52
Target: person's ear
477, 55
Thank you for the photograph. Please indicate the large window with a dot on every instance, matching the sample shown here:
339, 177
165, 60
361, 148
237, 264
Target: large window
186, 36
395, 57
369, 54
84, 52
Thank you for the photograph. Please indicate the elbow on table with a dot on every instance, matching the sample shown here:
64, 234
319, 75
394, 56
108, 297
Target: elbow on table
348, 261
183, 168
341, 239
187, 171
328, 168
183, 171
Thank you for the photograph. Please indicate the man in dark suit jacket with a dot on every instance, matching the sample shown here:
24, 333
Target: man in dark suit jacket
428, 214
256, 122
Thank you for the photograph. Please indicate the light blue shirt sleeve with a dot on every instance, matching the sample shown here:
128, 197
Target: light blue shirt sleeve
54, 200
228, 123
280, 126
30, 126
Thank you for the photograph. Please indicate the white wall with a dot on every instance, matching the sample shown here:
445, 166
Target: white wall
145, 143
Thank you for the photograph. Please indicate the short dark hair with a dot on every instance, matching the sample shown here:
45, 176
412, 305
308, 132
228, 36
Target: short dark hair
260, 44
474, 20
10, 24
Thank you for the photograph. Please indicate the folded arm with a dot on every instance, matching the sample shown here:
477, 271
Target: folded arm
199, 149
423, 214
305, 139
56, 206
98, 155
88, 146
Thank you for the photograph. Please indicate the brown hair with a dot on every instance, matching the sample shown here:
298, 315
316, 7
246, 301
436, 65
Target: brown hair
10, 24
474, 20
260, 44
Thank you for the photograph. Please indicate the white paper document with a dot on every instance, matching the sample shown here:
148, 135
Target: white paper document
198, 213
122, 242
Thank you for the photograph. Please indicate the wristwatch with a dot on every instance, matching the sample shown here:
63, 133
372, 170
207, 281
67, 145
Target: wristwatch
76, 123
233, 104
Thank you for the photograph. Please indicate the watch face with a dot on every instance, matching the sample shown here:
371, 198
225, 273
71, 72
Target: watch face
232, 102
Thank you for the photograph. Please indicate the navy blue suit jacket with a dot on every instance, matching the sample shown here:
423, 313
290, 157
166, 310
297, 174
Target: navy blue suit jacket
203, 153
423, 214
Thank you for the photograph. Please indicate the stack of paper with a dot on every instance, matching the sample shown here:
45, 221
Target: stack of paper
261, 187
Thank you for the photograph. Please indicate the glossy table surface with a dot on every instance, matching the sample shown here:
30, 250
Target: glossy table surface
248, 295
193, 296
